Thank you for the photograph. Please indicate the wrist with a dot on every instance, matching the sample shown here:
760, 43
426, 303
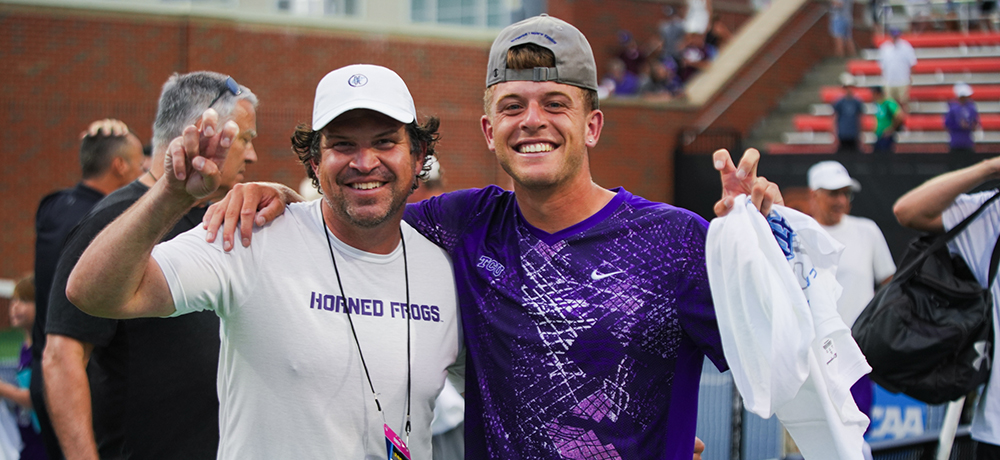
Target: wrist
171, 199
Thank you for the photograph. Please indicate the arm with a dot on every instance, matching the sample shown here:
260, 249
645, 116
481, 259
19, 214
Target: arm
862, 112
921, 208
255, 203
116, 276
67, 392
16, 394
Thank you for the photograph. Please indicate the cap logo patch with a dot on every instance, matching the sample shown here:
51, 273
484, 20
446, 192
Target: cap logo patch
357, 80
547, 37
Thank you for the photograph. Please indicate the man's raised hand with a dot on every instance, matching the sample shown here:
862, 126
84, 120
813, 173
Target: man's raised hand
194, 159
743, 180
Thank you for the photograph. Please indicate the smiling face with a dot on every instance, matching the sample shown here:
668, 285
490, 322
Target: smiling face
829, 206
367, 169
540, 132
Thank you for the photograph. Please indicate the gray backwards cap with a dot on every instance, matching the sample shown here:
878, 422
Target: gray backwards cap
574, 58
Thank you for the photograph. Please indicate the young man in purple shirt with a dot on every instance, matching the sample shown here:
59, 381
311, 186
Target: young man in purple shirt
586, 311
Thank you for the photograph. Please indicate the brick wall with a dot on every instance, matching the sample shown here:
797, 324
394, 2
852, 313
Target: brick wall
63, 68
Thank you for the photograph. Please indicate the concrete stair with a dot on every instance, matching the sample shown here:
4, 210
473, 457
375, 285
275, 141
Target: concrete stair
797, 101
803, 121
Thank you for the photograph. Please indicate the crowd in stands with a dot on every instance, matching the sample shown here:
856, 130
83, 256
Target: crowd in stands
687, 40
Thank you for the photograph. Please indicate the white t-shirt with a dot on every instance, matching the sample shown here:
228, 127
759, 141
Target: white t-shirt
975, 245
896, 59
291, 382
865, 263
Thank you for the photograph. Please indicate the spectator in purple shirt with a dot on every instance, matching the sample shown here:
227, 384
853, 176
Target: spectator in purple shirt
961, 120
619, 81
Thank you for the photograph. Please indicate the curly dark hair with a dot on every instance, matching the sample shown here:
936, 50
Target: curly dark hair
423, 139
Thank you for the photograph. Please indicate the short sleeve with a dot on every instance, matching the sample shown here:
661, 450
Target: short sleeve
975, 243
200, 274
445, 218
697, 311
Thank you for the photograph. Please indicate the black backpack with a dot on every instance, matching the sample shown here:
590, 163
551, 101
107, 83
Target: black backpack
929, 332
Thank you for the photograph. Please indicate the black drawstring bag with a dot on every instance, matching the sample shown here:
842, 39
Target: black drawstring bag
929, 332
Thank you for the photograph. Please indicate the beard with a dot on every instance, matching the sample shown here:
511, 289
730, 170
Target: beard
371, 212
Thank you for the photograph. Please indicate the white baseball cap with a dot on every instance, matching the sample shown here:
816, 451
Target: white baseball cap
831, 175
362, 86
962, 90
847, 79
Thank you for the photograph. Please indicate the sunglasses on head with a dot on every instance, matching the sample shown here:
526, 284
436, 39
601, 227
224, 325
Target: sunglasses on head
231, 86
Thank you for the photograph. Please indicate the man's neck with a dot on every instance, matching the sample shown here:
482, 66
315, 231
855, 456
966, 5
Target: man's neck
381, 239
830, 221
552, 210
104, 184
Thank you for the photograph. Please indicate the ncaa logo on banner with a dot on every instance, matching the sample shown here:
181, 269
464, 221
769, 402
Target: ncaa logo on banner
357, 80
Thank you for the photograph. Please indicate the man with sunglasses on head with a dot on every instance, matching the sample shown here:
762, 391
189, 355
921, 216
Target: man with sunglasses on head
144, 389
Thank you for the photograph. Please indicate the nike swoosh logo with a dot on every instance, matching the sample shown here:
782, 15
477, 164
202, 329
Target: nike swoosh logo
597, 276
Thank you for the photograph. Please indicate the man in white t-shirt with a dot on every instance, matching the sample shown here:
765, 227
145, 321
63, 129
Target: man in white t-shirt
938, 205
866, 262
340, 324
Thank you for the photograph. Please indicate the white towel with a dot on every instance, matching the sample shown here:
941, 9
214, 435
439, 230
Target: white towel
789, 351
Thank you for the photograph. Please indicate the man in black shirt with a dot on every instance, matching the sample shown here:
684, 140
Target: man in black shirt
110, 157
138, 368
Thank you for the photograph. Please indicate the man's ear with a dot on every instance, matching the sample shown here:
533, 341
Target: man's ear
488, 132
419, 166
314, 164
119, 166
595, 124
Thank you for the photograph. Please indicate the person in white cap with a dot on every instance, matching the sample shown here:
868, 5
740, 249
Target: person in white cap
961, 120
866, 262
339, 325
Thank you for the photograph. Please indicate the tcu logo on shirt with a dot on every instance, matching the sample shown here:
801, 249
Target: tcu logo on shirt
490, 265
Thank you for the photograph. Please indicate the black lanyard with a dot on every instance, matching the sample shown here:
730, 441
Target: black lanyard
406, 279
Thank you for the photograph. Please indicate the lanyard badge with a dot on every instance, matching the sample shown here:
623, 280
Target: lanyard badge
394, 446
396, 449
